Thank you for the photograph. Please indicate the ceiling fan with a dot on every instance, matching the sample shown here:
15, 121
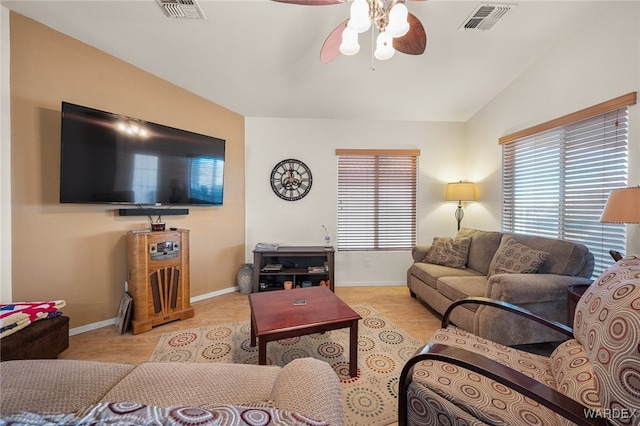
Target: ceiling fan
398, 29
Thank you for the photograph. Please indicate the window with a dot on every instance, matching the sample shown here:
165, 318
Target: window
206, 177
145, 178
556, 182
377, 199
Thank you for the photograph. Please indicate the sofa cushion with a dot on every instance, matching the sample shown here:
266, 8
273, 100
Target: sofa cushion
489, 402
565, 257
53, 385
450, 252
483, 245
429, 273
195, 384
454, 288
516, 258
572, 371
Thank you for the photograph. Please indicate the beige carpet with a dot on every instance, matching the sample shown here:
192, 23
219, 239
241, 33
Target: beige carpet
369, 399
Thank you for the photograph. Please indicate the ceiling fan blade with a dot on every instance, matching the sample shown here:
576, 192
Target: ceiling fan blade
331, 47
415, 41
311, 2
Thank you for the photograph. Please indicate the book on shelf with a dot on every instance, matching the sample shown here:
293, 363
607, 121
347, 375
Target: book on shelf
267, 246
316, 269
272, 267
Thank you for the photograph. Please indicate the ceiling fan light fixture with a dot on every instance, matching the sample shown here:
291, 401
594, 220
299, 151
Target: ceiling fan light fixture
384, 46
398, 20
359, 20
397, 28
349, 45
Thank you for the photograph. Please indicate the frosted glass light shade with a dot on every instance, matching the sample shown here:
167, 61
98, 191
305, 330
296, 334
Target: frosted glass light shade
384, 47
359, 20
349, 45
398, 20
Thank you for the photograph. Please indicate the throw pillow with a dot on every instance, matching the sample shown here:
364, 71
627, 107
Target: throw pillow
450, 252
515, 258
132, 413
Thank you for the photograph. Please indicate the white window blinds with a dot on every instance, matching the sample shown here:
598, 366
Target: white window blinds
556, 182
377, 199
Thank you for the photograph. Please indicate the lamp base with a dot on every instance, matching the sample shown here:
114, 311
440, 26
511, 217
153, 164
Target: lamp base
459, 214
615, 255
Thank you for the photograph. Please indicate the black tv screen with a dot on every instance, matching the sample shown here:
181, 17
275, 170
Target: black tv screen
111, 158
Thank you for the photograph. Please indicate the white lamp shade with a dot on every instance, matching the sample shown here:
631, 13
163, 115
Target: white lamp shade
398, 30
349, 45
398, 20
359, 20
623, 206
384, 47
461, 191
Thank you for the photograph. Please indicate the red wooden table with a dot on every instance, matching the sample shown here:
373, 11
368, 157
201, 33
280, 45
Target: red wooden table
275, 317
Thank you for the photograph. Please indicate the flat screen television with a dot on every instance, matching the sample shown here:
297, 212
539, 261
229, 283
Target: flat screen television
111, 158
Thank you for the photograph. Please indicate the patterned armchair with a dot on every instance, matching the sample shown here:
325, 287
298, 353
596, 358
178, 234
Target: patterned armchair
591, 379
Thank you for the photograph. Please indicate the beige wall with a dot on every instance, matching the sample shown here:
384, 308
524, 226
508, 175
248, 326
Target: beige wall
575, 74
314, 141
77, 252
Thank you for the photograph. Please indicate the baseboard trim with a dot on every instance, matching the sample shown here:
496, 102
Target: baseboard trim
372, 284
214, 294
91, 327
112, 321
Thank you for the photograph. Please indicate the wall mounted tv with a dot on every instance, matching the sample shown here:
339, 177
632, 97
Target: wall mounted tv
111, 158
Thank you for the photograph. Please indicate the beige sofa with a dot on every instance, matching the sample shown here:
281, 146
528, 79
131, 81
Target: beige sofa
303, 392
529, 271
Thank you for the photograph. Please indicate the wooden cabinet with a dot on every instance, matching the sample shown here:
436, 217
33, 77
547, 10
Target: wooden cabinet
158, 264
313, 264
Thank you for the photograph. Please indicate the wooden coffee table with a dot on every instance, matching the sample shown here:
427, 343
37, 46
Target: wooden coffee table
275, 317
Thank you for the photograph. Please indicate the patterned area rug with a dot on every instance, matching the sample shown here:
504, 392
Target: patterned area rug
369, 399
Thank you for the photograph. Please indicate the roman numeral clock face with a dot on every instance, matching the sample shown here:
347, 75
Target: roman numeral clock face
291, 179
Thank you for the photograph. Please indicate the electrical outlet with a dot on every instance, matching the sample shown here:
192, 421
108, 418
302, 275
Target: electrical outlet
126, 286
367, 262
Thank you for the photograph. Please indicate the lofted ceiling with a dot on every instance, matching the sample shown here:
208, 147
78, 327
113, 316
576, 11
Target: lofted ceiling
261, 58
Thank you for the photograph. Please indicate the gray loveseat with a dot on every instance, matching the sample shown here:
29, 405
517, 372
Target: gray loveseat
529, 271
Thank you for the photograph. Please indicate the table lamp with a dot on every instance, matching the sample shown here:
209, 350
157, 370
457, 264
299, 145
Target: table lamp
623, 206
460, 191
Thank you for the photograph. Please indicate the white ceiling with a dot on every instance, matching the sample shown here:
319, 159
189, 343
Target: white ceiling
260, 58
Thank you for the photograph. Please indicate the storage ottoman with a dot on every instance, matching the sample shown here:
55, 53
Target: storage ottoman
42, 339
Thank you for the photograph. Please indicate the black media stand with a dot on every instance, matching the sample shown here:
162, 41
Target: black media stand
299, 263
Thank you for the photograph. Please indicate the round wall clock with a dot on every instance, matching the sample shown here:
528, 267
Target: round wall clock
291, 179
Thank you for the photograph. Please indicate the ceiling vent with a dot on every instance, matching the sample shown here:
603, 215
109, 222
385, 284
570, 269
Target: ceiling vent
486, 16
186, 9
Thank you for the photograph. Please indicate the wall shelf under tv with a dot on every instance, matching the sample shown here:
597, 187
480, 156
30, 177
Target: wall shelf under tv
153, 212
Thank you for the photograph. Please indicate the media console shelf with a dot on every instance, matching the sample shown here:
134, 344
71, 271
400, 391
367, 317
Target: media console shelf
299, 263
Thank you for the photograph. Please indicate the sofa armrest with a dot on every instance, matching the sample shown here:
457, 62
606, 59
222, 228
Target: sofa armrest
309, 386
520, 289
568, 331
525, 385
419, 252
